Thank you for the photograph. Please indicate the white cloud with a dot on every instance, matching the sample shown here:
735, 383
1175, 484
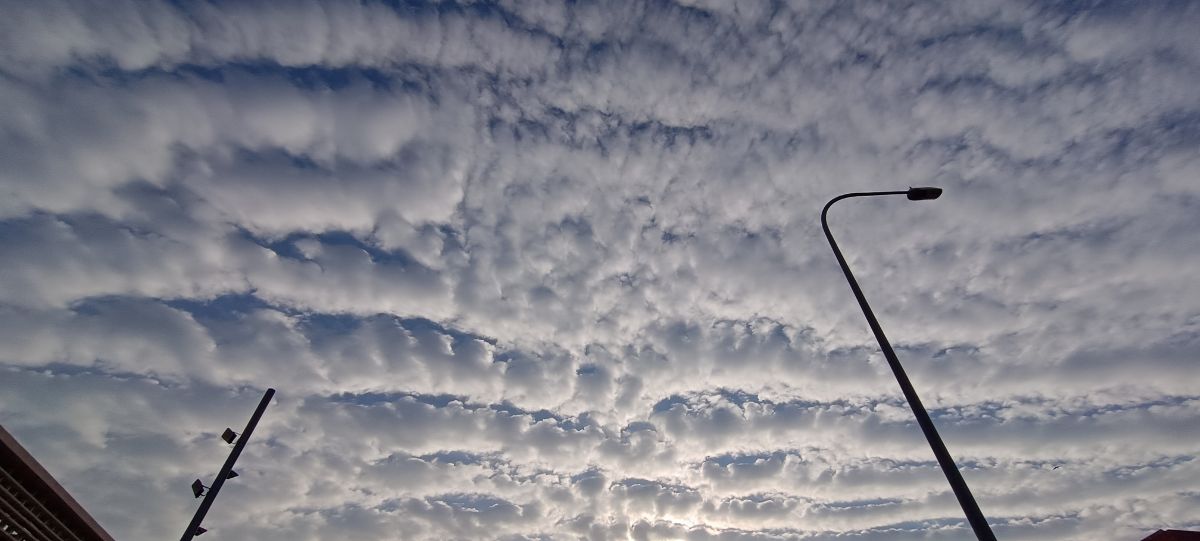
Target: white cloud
553, 270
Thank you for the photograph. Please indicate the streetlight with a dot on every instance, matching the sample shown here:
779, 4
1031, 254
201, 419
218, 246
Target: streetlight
965, 499
198, 488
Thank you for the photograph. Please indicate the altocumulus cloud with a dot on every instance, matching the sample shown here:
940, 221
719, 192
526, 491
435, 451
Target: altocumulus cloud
542, 270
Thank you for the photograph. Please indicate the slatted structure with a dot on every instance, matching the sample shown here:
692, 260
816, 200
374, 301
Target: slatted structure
33, 506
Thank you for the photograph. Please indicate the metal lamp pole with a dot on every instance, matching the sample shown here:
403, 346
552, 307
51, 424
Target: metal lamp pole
965, 499
193, 528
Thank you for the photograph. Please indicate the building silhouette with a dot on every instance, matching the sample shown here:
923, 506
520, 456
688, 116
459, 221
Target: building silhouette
1173, 535
33, 506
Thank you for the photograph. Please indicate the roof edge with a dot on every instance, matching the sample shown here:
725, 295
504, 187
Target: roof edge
36, 467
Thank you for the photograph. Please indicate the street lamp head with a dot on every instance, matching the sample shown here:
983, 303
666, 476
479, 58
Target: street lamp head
924, 192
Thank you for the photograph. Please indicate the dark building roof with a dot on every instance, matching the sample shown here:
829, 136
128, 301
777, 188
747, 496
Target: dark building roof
33, 506
1173, 535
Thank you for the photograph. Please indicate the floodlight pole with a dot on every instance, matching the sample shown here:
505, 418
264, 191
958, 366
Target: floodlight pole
974, 515
224, 473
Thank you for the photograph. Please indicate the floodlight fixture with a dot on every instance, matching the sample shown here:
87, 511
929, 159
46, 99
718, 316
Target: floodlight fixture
198, 488
228, 435
231, 475
200, 530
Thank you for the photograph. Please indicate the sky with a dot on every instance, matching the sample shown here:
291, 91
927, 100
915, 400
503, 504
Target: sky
537, 270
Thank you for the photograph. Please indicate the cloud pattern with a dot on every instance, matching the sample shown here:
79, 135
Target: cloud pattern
534, 270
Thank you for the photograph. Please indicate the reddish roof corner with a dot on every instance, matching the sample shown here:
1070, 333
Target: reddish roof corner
35, 505
1173, 535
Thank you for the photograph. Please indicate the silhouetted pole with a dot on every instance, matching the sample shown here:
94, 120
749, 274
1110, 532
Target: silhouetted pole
965, 499
224, 473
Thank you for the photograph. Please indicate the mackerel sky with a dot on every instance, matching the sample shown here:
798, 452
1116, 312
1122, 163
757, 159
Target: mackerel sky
539, 270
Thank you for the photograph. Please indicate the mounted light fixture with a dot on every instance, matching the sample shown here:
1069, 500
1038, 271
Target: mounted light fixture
200, 530
924, 193
229, 435
231, 475
198, 488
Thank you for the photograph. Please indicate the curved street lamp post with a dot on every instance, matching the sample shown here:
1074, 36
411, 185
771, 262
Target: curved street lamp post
957, 483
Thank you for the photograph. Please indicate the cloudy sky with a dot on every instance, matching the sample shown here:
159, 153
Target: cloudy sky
533, 270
